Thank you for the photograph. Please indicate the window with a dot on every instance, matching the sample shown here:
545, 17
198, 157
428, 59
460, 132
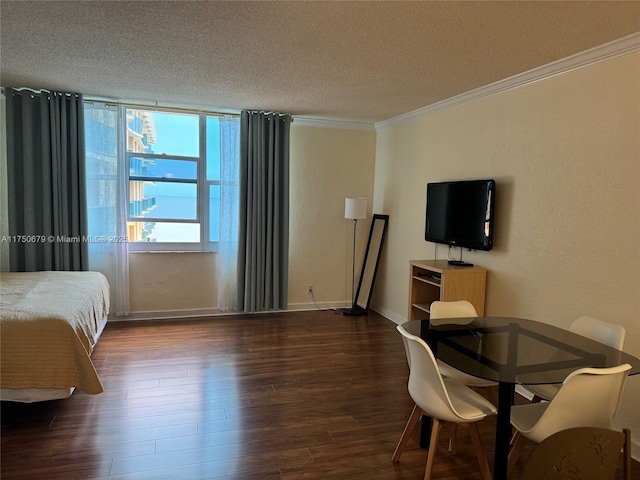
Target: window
160, 173
171, 164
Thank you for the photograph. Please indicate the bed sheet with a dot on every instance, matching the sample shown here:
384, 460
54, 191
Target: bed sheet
49, 324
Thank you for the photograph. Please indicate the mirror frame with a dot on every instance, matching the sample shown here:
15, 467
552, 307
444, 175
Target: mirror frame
370, 265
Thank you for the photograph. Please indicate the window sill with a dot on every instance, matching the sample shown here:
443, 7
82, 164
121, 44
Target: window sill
169, 251
151, 247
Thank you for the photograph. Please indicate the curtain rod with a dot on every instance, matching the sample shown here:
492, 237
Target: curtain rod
157, 106
141, 106
31, 91
281, 116
149, 106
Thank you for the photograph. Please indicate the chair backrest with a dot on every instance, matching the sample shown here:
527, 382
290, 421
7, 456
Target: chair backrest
603, 332
589, 397
587, 453
406, 350
607, 333
442, 312
426, 386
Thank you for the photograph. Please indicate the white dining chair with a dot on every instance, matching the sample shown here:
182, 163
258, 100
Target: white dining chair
588, 397
441, 398
608, 333
442, 313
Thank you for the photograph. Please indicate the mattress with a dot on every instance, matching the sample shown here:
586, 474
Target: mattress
49, 325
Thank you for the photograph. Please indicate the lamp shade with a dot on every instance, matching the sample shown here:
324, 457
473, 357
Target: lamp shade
355, 208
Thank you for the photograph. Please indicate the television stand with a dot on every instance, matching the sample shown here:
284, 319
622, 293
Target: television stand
459, 263
432, 280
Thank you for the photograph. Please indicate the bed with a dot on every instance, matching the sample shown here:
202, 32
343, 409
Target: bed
49, 325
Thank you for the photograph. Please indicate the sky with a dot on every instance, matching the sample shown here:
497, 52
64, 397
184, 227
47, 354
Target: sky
178, 135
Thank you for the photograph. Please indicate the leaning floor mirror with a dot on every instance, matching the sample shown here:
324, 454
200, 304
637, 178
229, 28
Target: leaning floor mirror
369, 265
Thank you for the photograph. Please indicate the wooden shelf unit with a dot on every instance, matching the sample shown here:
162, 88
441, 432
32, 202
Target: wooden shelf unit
432, 280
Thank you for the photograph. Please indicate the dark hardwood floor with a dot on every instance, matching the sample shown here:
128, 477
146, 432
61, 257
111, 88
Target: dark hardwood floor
310, 395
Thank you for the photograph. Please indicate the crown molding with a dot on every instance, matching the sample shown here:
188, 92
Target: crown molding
327, 123
607, 51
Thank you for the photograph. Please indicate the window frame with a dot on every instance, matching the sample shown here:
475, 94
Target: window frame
203, 214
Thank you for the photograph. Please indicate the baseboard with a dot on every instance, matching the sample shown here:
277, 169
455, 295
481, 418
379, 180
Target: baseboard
214, 312
168, 314
305, 307
388, 314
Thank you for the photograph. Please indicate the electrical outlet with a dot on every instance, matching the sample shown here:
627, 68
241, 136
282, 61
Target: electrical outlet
310, 288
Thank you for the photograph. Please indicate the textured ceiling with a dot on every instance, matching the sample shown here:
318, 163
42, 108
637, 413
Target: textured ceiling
359, 61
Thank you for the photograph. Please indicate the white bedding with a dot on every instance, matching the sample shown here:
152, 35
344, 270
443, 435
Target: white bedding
49, 325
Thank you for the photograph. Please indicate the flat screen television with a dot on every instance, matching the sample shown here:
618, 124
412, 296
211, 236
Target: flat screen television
460, 213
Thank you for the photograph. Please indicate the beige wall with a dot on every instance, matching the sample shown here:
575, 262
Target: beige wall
565, 153
326, 166
172, 282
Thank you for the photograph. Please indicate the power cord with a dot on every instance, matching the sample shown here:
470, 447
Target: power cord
337, 311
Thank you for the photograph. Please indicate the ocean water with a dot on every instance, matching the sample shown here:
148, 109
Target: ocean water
177, 232
174, 207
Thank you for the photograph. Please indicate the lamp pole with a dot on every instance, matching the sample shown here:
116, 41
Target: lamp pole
354, 209
353, 265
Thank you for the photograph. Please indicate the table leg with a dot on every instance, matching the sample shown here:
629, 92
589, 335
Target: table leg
506, 392
431, 336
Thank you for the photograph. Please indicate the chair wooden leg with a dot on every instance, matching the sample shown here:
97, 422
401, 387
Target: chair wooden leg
626, 454
406, 434
436, 425
518, 444
513, 438
453, 440
477, 444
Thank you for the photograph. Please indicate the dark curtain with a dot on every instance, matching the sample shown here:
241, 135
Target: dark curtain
263, 234
46, 181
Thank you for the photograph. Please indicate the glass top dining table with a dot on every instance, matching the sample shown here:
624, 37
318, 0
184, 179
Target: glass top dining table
514, 351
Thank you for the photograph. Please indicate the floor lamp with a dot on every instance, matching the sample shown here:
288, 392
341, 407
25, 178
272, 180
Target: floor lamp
355, 208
